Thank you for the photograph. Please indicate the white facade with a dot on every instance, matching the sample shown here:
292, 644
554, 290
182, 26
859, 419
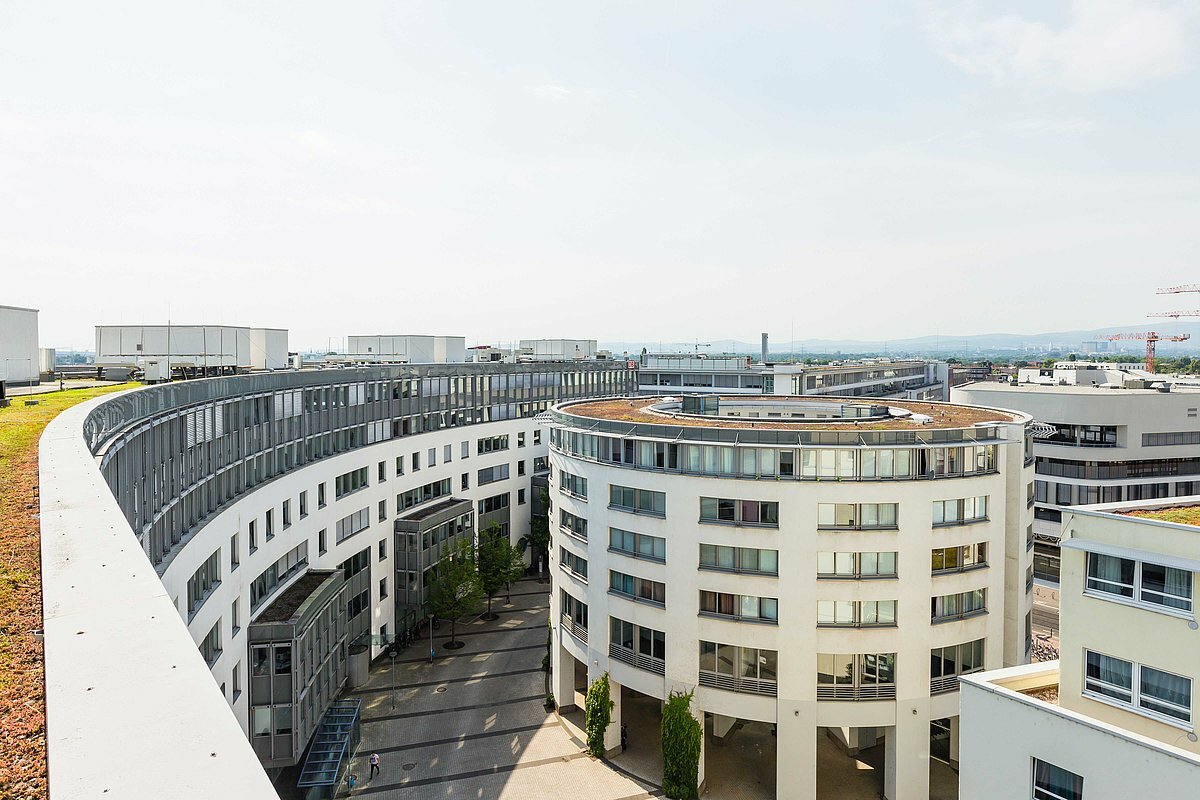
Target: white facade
635, 486
405, 350
556, 349
18, 345
1103, 443
1118, 710
207, 347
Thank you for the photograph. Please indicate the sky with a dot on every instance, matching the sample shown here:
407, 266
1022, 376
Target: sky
621, 171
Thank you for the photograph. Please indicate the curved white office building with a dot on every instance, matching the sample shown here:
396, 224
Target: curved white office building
212, 548
821, 564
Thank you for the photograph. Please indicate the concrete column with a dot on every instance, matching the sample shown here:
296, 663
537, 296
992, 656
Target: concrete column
796, 749
954, 742
722, 725
562, 665
612, 734
698, 713
906, 754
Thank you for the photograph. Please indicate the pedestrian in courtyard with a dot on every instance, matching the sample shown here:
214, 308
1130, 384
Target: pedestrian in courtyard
374, 759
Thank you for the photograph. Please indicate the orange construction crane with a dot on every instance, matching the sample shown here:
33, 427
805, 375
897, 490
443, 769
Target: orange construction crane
1151, 339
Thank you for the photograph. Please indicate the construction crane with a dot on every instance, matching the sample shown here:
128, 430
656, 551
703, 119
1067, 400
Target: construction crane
1151, 338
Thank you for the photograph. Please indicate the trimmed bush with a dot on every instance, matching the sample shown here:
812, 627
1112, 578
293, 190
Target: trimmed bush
597, 714
680, 746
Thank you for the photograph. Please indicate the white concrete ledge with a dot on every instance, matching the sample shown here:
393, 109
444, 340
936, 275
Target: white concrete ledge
132, 710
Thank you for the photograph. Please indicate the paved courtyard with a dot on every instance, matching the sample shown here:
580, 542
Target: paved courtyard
472, 725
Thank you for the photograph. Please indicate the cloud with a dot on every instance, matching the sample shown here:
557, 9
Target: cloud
1035, 126
1105, 44
549, 91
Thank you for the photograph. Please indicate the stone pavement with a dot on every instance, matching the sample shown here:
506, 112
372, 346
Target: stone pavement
472, 724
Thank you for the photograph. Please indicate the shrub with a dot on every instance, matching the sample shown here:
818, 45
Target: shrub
681, 734
597, 714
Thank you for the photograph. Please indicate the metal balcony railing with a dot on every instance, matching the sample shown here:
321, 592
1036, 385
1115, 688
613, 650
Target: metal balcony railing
576, 630
634, 659
733, 683
868, 692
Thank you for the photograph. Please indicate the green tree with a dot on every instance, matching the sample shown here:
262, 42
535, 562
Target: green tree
499, 563
537, 540
597, 714
681, 738
454, 589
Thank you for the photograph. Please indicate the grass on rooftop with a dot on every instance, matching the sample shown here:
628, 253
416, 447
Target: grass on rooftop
1184, 515
22, 679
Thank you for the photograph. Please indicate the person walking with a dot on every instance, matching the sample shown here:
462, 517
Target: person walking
374, 759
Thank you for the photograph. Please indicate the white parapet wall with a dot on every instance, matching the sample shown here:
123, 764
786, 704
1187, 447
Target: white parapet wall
192, 345
18, 345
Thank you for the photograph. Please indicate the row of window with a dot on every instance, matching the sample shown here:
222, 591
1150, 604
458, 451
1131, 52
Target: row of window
1145, 583
273, 576
573, 484
351, 524
422, 494
202, 583
1138, 687
349, 482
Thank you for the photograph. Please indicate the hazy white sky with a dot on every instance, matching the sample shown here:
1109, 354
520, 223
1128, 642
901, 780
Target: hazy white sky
625, 171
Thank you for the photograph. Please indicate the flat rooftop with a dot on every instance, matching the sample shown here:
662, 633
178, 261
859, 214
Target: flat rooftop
288, 603
904, 414
428, 511
1002, 387
1183, 514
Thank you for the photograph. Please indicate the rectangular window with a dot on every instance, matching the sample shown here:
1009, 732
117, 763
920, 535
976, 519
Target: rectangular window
520, 438
573, 484
465, 451
520, 497
739, 559
237, 681
202, 583
856, 565
351, 524
303, 505
431, 457
960, 512
270, 526
638, 545
740, 606
957, 606
287, 514
447, 454
235, 552
856, 613
321, 542
422, 494
537, 436
573, 524
383, 588
381, 471
947, 663
496, 502
572, 562
416, 462
235, 616
320, 495
637, 588
637, 501
382, 510
739, 669
399, 465
1143, 689
1153, 585
253, 536
465, 481
493, 474
492, 444
382, 549
739, 512
856, 516
958, 559
1055, 783
210, 647
350, 482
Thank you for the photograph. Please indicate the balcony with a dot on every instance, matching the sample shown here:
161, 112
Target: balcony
635, 659
878, 691
570, 626
732, 683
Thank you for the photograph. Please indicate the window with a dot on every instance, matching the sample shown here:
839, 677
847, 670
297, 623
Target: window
575, 610
628, 640
322, 545
260, 661
856, 565
383, 588
1055, 783
947, 663
573, 484
739, 669
275, 575
237, 681
637, 501
1155, 585
303, 505
261, 720
283, 659
521, 467
350, 482
958, 559
491, 474
381, 471
960, 512
740, 606
856, 613
253, 536
351, 524
573, 524
1143, 689
638, 545
235, 616
739, 512
465, 482
416, 462
537, 436
382, 511
382, 549
287, 514
520, 497
447, 454
235, 552
492, 444
637, 588
739, 559
520, 438
431, 457
957, 606
465, 451
422, 494
202, 583
856, 516
854, 676
270, 527
496, 502
399, 465
320, 495
210, 647
572, 562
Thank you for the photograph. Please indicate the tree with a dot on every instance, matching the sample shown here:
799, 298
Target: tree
681, 739
454, 589
538, 538
597, 714
499, 563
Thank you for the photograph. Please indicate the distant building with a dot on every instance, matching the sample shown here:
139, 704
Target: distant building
18, 345
159, 350
687, 373
1115, 717
404, 350
556, 349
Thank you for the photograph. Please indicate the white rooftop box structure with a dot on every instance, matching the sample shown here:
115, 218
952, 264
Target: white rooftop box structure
557, 349
18, 345
406, 349
205, 346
